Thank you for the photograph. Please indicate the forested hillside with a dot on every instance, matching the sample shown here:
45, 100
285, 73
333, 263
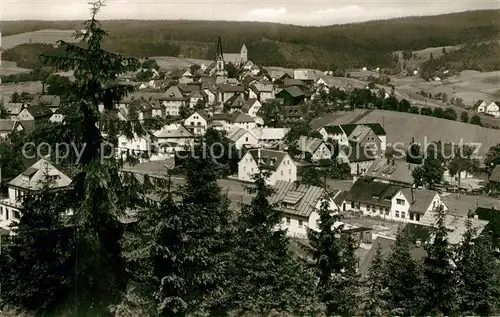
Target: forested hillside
350, 45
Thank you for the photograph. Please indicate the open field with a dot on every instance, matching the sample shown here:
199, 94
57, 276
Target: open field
170, 62
403, 127
423, 55
41, 36
10, 68
32, 87
469, 85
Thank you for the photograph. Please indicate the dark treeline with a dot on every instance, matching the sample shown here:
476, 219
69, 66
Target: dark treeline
350, 45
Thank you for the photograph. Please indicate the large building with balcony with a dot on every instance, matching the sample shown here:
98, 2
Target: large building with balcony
33, 179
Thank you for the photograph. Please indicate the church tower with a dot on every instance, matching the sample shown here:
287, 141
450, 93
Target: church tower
219, 59
244, 54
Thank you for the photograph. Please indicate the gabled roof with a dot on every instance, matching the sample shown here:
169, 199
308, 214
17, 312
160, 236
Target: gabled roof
293, 91
305, 74
187, 88
248, 105
392, 170
172, 93
289, 82
204, 114
296, 199
236, 101
13, 109
230, 88
333, 129
50, 100
221, 117
419, 199
368, 191
35, 176
7, 125
28, 125
478, 103
270, 133
376, 128
39, 111
236, 134
268, 159
179, 132
309, 145
239, 117
263, 87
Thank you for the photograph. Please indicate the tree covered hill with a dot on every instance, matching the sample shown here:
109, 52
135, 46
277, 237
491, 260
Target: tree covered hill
329, 47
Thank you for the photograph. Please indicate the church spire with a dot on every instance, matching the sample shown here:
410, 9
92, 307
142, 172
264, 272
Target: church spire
219, 55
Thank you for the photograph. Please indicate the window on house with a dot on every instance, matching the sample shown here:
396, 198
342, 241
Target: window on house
290, 171
252, 169
387, 211
400, 201
352, 204
17, 215
287, 220
246, 139
6, 214
397, 213
318, 222
301, 223
281, 173
417, 217
403, 214
368, 207
411, 215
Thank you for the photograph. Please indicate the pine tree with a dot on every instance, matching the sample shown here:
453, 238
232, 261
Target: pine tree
347, 282
265, 276
440, 280
375, 298
327, 246
479, 274
97, 196
402, 277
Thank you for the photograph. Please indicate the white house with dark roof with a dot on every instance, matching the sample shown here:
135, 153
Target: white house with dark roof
242, 120
270, 137
13, 109
299, 205
172, 138
197, 122
139, 146
31, 180
493, 109
391, 202
242, 137
235, 103
362, 134
251, 108
480, 106
316, 148
278, 163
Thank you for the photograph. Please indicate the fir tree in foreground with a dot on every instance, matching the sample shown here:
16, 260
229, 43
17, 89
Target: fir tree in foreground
375, 297
97, 196
335, 263
479, 274
402, 277
265, 275
440, 291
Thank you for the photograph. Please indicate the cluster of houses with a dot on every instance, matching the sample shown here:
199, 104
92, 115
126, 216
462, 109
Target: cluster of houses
381, 188
491, 108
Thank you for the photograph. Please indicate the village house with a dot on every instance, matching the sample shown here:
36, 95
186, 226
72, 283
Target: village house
361, 134
174, 138
493, 109
299, 205
31, 180
56, 117
306, 75
251, 108
225, 92
173, 100
7, 126
278, 163
197, 123
480, 106
139, 147
293, 114
227, 122
36, 112
261, 92
270, 137
359, 159
314, 149
235, 103
391, 202
291, 95
13, 109
241, 137
392, 171
51, 101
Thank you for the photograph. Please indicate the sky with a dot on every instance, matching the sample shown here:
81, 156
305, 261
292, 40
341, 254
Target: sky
304, 12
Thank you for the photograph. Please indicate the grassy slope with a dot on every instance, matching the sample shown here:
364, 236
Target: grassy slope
355, 45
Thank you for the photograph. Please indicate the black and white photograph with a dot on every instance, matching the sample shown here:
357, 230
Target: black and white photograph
249, 158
